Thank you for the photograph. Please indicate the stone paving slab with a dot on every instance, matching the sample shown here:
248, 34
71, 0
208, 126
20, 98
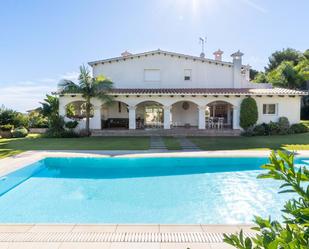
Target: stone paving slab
116, 236
187, 144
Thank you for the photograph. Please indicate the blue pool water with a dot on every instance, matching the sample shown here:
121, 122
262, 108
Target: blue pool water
140, 190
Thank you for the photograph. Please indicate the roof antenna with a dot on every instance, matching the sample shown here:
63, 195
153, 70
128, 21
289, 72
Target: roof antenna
202, 41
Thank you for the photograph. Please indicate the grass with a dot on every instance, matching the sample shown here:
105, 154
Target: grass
171, 143
288, 142
14, 146
9, 147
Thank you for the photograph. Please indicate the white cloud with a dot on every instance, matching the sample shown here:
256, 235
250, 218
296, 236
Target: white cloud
26, 95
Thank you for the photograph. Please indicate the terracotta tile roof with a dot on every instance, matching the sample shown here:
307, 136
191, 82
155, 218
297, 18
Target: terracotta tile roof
208, 91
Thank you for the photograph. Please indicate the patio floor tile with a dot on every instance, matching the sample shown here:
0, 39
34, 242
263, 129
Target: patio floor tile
4, 245
180, 228
220, 246
138, 228
185, 246
94, 228
220, 228
15, 228
51, 228
84, 245
32, 245
135, 246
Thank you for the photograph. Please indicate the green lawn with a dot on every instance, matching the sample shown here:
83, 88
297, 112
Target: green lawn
290, 142
10, 147
35, 142
172, 143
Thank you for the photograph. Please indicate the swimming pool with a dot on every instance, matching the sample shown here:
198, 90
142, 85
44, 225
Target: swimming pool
140, 190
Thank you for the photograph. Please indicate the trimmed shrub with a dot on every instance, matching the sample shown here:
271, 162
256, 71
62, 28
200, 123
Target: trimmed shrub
71, 124
298, 128
284, 125
273, 128
248, 113
69, 134
6, 127
260, 130
249, 132
20, 132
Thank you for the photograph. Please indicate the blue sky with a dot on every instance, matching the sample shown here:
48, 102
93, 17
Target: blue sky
43, 41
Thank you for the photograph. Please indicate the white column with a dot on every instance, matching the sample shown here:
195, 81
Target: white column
167, 117
61, 107
235, 118
228, 114
201, 117
95, 121
132, 117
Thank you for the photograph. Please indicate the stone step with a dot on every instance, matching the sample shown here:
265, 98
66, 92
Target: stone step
157, 143
186, 144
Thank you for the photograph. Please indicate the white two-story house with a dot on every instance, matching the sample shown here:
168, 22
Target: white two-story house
169, 91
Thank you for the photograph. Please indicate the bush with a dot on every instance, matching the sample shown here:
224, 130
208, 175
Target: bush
20, 132
71, 125
273, 128
69, 134
293, 232
9, 116
260, 130
248, 113
55, 126
298, 128
284, 125
6, 127
249, 132
37, 120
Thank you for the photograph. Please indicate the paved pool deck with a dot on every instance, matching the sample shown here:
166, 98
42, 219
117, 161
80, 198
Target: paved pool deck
114, 236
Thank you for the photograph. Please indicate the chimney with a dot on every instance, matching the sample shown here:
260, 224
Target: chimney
125, 54
218, 55
202, 55
237, 64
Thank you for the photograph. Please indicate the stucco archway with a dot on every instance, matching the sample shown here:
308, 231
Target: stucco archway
149, 115
220, 109
184, 114
115, 115
76, 110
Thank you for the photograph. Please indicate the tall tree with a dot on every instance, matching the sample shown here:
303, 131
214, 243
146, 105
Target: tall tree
261, 77
89, 88
50, 106
253, 73
287, 76
278, 57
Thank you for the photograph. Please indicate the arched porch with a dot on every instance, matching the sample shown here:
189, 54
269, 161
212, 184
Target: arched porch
115, 115
149, 115
184, 114
219, 114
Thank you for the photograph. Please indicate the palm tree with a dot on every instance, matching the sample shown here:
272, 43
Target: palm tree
89, 88
50, 106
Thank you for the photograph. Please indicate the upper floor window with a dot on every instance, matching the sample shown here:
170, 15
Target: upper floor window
270, 109
187, 74
152, 75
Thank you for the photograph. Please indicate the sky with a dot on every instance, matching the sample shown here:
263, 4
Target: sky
43, 41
